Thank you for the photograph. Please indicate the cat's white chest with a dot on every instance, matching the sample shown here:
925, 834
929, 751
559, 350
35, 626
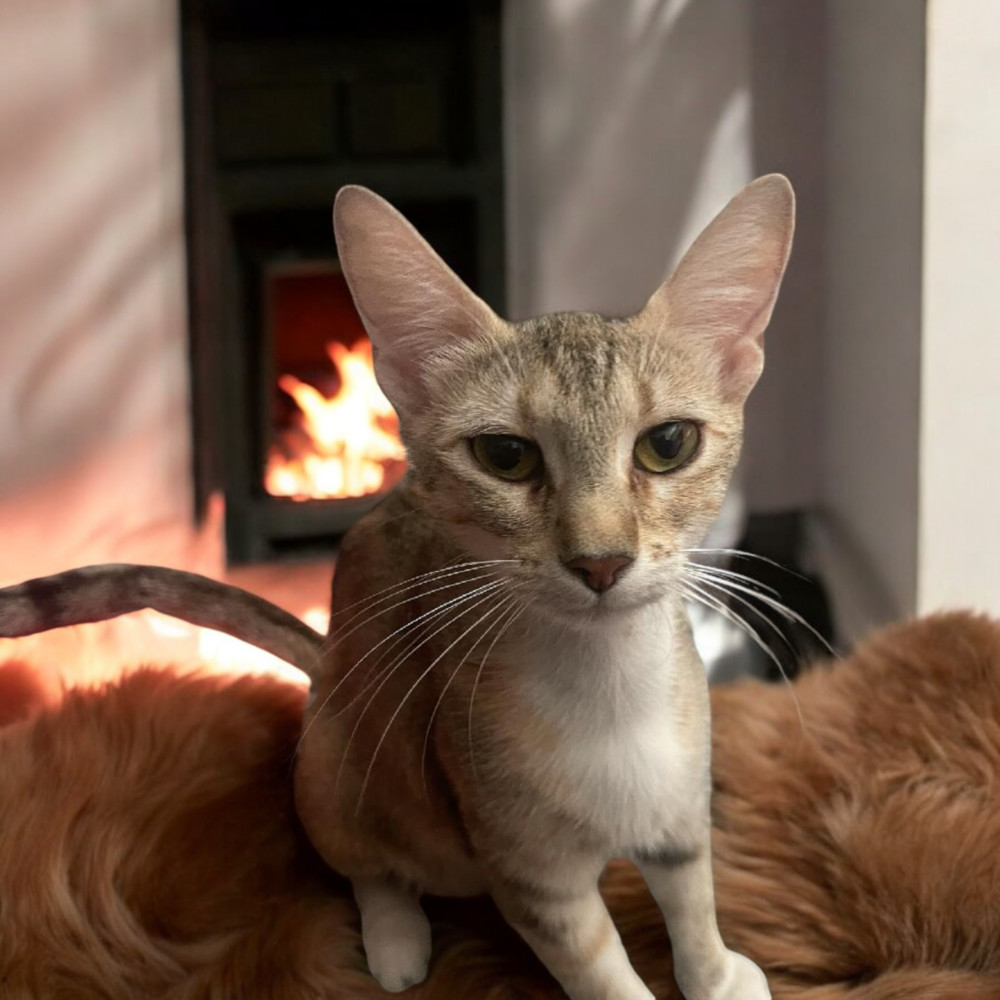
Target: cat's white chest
635, 788
624, 764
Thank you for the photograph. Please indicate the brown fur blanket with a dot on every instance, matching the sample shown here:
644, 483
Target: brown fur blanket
148, 845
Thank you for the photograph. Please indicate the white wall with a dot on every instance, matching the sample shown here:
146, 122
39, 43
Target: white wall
627, 128
911, 388
783, 418
628, 125
867, 537
94, 446
959, 540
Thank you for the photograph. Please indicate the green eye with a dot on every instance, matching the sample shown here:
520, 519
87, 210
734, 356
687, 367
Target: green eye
667, 446
506, 456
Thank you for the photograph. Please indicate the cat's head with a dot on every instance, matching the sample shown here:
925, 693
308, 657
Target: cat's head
593, 451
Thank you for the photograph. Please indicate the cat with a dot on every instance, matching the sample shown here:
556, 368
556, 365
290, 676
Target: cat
149, 848
566, 463
511, 694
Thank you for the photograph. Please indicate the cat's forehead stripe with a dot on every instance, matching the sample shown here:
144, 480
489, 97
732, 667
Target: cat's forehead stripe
582, 351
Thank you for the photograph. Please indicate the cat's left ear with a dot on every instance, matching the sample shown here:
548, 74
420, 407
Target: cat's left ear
411, 303
724, 289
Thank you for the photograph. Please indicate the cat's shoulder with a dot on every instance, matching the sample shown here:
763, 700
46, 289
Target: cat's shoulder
392, 541
396, 523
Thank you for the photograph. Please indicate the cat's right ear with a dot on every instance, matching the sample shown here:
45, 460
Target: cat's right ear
725, 287
411, 303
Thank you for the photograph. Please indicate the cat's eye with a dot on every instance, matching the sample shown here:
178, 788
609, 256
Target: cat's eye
507, 456
667, 446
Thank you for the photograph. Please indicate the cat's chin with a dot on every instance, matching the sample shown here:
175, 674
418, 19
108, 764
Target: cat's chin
599, 610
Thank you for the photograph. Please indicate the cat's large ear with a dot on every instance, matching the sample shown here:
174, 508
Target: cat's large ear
410, 301
725, 286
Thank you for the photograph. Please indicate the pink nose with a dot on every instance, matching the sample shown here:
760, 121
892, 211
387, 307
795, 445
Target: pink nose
600, 573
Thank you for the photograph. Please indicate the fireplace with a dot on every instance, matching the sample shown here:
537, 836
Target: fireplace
284, 104
334, 435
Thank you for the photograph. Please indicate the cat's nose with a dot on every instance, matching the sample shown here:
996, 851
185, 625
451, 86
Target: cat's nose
600, 573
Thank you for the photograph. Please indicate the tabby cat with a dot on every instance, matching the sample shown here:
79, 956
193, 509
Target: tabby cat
510, 694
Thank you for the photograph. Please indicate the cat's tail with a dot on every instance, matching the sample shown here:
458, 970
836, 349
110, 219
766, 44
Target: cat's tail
97, 593
907, 984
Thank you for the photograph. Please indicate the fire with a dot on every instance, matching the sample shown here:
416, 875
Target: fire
346, 443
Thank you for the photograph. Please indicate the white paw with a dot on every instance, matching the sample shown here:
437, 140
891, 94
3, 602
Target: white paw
744, 981
398, 947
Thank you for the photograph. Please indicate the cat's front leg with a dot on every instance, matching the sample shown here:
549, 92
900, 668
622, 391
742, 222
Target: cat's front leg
570, 930
395, 933
704, 967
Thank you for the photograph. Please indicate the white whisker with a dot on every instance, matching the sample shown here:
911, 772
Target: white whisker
775, 605
741, 554
716, 604
387, 593
518, 611
413, 687
415, 631
414, 636
498, 610
409, 625
692, 589
394, 666
449, 567
733, 575
706, 581
334, 640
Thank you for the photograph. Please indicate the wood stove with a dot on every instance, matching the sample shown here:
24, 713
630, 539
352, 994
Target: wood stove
284, 103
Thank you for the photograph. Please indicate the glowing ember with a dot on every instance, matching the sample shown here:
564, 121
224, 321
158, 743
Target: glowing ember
345, 445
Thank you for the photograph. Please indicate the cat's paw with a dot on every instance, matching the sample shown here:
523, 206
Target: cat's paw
744, 981
741, 980
398, 948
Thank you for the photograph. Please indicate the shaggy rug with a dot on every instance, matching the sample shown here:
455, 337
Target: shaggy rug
149, 848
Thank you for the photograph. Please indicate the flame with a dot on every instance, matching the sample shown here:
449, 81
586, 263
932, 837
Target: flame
350, 437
